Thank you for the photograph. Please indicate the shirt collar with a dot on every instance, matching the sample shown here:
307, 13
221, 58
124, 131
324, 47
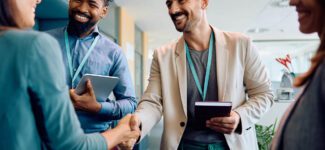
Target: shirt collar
94, 33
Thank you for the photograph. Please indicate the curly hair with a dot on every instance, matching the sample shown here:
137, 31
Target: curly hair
107, 2
320, 54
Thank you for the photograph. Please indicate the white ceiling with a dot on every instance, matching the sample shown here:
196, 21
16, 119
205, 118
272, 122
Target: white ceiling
280, 23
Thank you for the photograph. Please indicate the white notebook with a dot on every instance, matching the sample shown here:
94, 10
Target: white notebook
102, 85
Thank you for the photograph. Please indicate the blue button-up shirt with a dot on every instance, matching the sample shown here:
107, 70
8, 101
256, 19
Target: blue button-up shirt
106, 59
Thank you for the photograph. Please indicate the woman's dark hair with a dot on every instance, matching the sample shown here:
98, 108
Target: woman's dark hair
320, 54
6, 14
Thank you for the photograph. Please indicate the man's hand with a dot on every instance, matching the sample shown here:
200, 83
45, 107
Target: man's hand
225, 125
134, 125
125, 130
87, 101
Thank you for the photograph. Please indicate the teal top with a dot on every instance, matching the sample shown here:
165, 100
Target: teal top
35, 108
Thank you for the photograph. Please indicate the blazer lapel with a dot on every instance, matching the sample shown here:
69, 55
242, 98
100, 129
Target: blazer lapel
222, 64
181, 72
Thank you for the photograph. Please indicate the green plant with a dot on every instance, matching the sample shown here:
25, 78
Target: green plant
264, 135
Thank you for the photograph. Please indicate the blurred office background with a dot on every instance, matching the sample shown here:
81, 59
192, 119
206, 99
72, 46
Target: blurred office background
140, 26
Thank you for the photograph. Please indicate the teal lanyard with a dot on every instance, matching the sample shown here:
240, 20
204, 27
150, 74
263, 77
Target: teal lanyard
207, 72
68, 50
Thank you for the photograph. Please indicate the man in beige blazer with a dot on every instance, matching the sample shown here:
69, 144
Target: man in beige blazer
241, 78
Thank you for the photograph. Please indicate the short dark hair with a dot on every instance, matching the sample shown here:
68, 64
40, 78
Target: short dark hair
106, 2
7, 16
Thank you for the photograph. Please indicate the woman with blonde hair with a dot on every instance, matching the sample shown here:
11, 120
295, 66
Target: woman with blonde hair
303, 125
35, 109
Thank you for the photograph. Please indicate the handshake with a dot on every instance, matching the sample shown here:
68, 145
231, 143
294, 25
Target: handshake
125, 134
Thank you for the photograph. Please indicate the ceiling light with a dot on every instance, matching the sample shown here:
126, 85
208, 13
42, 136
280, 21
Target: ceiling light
264, 30
280, 3
258, 30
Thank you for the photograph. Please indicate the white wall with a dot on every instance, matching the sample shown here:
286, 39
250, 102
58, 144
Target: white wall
300, 52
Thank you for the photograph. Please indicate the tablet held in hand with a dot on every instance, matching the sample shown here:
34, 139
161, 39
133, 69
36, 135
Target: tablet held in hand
207, 110
102, 85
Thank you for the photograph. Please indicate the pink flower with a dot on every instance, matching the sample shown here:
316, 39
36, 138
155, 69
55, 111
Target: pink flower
288, 58
285, 61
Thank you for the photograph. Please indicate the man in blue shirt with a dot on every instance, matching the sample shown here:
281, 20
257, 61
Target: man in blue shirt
86, 51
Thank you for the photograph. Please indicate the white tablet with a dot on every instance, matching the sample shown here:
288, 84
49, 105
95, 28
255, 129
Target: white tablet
102, 85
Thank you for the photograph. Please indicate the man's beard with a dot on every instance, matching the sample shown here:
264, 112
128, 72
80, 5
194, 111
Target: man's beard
184, 28
187, 24
79, 28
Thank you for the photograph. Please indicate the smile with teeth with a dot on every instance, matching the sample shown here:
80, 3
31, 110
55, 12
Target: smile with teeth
81, 18
33, 9
180, 17
302, 14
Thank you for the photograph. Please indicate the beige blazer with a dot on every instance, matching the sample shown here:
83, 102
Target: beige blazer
242, 79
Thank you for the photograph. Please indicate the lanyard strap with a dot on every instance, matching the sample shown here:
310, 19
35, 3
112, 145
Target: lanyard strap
68, 50
208, 68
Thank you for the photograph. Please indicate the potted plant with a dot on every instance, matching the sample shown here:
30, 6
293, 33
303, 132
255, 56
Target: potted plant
264, 135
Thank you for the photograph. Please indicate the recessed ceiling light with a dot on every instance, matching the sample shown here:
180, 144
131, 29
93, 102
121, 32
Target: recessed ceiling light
258, 30
280, 3
264, 30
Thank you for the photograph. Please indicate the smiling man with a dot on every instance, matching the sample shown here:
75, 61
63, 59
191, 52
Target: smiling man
204, 64
87, 51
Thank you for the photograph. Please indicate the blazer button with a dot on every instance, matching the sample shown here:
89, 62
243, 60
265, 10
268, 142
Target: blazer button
182, 124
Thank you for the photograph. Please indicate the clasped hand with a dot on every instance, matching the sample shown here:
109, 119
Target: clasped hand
134, 125
226, 125
126, 130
